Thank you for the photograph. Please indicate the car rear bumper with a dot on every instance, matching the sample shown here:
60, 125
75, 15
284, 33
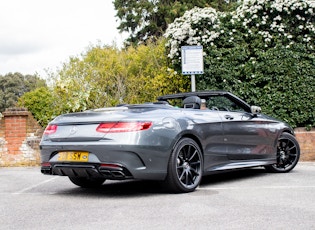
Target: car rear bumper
100, 171
121, 162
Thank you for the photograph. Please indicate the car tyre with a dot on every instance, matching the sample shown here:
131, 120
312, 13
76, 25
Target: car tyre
288, 154
87, 182
185, 166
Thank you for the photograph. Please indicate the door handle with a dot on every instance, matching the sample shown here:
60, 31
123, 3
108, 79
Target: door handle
228, 117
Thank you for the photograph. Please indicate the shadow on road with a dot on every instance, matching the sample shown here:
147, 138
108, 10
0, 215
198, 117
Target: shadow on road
119, 189
229, 176
138, 188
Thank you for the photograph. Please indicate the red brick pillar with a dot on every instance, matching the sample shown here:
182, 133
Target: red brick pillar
15, 128
20, 136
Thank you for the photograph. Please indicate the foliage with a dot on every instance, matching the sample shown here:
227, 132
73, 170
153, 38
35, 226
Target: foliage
263, 52
148, 74
14, 85
107, 76
148, 19
40, 103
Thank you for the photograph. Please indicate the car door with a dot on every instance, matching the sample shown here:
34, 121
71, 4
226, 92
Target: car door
246, 137
210, 131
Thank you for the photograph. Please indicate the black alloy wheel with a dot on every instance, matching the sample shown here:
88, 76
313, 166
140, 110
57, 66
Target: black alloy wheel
288, 154
185, 166
87, 182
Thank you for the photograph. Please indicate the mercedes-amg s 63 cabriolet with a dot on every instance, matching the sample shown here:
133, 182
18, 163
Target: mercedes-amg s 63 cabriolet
177, 139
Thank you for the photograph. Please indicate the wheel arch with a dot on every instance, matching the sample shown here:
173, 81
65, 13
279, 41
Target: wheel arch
287, 129
193, 137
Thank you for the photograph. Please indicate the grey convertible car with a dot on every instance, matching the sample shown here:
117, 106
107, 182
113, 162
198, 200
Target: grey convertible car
177, 139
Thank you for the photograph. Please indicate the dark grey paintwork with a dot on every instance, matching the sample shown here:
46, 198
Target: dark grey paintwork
228, 139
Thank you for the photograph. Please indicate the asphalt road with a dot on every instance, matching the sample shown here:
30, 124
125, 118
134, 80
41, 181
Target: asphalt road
249, 199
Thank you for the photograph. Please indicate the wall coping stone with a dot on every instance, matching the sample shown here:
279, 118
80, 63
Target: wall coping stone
15, 112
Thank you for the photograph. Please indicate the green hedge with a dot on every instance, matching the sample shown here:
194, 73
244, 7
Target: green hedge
263, 52
280, 80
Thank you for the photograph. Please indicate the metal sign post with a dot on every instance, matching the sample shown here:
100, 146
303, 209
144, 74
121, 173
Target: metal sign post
192, 63
193, 83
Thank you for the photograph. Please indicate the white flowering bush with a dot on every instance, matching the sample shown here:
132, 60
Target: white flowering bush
264, 52
199, 26
288, 21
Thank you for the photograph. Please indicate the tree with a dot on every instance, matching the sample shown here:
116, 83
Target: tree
106, 76
14, 85
149, 75
40, 103
148, 19
263, 52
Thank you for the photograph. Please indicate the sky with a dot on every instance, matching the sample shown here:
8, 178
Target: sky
37, 36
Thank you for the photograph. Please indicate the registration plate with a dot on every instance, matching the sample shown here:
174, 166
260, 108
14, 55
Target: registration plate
73, 156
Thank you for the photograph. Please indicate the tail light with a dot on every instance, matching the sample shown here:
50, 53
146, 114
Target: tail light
46, 164
118, 127
50, 129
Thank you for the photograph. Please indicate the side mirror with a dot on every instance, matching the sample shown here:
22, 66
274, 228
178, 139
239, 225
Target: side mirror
255, 109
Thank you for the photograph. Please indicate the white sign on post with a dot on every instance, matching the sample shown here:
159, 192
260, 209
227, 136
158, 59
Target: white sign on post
192, 62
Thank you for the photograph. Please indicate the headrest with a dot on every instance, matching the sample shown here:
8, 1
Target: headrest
192, 102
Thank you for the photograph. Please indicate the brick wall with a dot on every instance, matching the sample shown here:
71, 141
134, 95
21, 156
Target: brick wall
20, 135
306, 140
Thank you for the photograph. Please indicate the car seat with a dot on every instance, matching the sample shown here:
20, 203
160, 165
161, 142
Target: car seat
192, 102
